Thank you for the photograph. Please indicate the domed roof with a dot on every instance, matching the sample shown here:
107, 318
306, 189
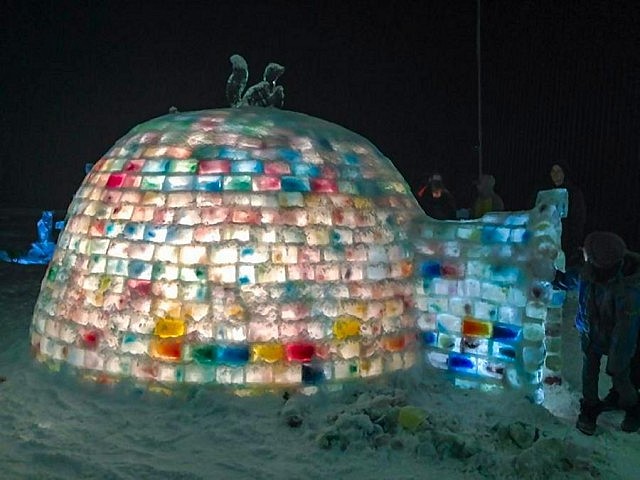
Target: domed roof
233, 246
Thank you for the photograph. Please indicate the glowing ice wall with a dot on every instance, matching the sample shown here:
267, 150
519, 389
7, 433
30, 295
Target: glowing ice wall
489, 314
234, 246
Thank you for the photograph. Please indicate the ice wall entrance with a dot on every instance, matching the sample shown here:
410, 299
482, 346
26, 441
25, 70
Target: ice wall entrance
489, 315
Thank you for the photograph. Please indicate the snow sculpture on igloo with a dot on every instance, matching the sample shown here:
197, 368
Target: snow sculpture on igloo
249, 246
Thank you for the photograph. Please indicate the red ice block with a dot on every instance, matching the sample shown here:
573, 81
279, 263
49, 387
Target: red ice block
300, 352
116, 180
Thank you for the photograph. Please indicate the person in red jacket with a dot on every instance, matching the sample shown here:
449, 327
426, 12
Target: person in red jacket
436, 200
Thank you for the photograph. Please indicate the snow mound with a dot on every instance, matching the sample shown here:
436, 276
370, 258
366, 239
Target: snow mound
512, 439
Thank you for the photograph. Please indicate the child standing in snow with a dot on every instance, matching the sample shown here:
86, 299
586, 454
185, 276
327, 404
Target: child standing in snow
608, 319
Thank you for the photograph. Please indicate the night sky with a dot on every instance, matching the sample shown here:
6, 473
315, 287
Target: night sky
560, 81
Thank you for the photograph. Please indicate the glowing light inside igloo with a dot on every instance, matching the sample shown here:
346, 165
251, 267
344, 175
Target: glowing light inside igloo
235, 246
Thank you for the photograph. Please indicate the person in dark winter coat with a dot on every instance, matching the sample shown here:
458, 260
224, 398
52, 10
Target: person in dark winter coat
573, 224
608, 320
436, 200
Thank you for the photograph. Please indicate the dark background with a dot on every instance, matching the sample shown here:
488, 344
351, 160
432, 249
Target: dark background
560, 82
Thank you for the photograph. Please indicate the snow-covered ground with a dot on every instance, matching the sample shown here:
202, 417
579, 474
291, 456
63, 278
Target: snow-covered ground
55, 426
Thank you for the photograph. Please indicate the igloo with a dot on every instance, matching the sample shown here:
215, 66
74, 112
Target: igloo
261, 247
249, 246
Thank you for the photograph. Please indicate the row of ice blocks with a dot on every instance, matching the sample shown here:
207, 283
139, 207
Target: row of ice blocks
484, 296
293, 364
189, 278
225, 174
245, 183
282, 208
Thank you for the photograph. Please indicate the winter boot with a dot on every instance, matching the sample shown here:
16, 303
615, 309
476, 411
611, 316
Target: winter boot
631, 421
610, 402
588, 416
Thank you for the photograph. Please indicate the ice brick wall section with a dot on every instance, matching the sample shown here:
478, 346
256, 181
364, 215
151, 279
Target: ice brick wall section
488, 312
234, 246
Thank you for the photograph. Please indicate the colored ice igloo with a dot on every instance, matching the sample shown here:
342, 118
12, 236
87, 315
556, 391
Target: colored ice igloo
248, 246
489, 314
254, 246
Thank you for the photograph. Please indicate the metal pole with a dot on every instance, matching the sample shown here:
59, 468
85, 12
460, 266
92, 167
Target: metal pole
479, 90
